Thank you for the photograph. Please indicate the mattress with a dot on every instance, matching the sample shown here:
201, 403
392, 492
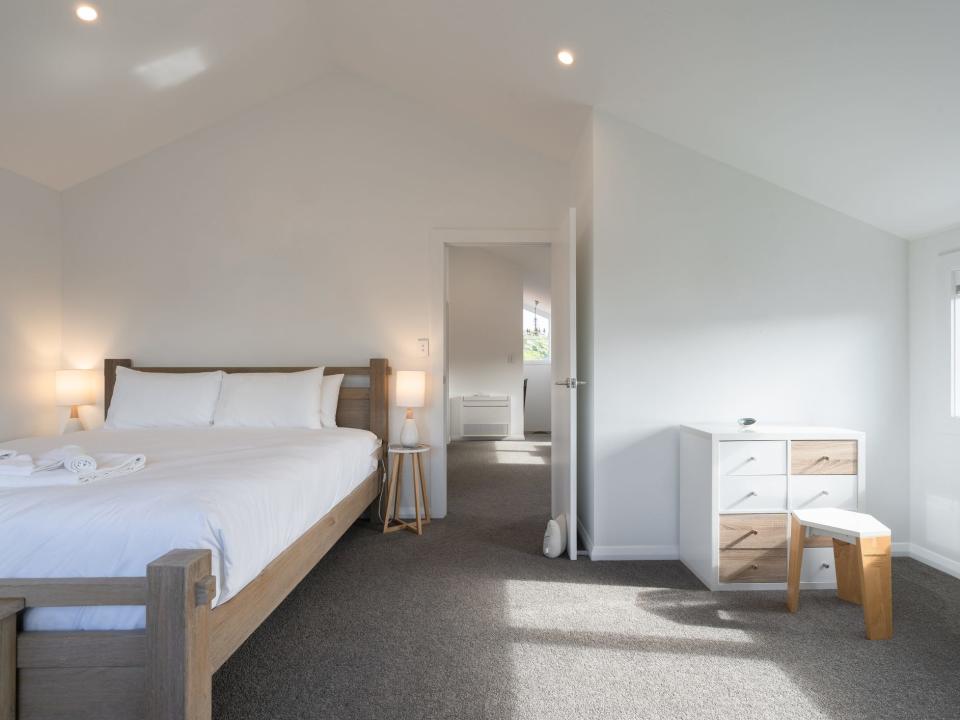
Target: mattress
245, 494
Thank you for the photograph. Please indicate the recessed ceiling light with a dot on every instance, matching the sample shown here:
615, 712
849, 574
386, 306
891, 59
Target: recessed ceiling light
87, 13
565, 57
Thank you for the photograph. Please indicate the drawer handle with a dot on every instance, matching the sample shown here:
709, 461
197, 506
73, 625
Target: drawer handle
754, 567
753, 532
825, 566
824, 492
825, 458
751, 493
751, 459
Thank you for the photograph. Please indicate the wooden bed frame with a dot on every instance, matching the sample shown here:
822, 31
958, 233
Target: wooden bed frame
164, 672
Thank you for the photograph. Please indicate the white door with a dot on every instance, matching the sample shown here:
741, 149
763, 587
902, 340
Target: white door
563, 350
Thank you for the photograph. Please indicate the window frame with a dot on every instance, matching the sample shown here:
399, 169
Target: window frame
947, 323
549, 334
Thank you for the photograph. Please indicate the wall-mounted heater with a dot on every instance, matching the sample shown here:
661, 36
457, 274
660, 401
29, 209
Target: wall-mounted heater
483, 416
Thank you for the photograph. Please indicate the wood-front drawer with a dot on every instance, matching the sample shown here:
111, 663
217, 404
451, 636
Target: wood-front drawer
823, 491
753, 457
823, 457
751, 532
753, 493
749, 566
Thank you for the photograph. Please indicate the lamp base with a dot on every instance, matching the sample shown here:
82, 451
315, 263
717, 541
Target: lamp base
409, 435
72, 425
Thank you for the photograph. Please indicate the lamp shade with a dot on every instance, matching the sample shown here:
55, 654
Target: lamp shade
75, 387
411, 388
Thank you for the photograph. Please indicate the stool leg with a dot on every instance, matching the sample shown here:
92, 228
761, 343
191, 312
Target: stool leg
391, 491
794, 560
876, 586
415, 481
423, 489
399, 476
846, 560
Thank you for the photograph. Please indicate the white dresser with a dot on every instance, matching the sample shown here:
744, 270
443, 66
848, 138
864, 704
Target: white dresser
737, 487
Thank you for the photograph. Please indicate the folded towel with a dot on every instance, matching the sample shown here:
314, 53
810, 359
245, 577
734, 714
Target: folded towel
40, 479
108, 465
4, 454
70, 457
18, 466
111, 465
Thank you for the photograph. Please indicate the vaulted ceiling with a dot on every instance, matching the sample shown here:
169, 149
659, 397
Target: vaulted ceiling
852, 104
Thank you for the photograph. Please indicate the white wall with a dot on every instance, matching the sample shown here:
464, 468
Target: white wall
29, 306
536, 415
297, 232
935, 435
718, 295
485, 329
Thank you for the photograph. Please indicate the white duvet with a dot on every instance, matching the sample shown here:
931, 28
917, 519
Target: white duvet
246, 494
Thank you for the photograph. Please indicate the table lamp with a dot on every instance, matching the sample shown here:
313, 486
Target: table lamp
411, 388
74, 388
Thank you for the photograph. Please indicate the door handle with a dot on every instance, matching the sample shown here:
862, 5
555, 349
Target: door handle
571, 383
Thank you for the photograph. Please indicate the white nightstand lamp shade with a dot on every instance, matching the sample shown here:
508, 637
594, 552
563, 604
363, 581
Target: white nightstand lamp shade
74, 388
411, 391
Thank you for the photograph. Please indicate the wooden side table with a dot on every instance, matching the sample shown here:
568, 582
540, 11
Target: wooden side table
394, 523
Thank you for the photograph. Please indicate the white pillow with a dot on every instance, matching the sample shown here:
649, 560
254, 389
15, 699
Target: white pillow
329, 398
270, 400
148, 399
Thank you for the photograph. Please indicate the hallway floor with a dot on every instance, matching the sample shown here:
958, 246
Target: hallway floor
471, 621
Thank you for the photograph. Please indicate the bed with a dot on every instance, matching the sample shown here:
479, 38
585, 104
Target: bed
152, 581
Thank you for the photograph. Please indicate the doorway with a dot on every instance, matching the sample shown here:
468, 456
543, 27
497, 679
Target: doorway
498, 374
560, 462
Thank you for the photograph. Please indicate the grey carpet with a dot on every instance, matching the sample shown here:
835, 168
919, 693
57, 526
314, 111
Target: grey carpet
470, 621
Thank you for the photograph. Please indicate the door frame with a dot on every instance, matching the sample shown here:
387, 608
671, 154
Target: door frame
441, 239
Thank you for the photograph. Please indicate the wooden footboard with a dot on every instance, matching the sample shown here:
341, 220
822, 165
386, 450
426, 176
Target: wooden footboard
107, 674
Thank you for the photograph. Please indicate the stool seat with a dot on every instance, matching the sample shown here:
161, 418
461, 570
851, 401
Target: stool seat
861, 553
846, 523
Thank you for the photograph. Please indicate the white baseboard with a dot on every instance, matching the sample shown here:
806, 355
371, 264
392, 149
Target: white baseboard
406, 513
635, 552
934, 560
900, 549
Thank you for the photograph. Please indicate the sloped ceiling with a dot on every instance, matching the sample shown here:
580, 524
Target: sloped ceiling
851, 104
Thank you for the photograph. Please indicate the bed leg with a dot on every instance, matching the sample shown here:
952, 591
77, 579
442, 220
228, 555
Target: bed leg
9, 607
179, 591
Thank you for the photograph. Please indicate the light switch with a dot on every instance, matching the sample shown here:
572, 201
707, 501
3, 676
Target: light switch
423, 347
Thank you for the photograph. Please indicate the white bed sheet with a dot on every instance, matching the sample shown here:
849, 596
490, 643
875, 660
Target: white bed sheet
244, 493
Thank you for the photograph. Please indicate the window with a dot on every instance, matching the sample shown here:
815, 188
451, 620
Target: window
536, 335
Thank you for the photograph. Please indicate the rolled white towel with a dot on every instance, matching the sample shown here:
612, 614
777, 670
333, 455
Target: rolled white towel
110, 465
17, 466
40, 479
70, 457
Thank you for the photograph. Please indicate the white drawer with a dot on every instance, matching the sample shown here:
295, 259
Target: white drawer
818, 566
753, 457
753, 493
823, 491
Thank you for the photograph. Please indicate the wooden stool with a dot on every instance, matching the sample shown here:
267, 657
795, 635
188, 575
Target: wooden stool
861, 553
419, 486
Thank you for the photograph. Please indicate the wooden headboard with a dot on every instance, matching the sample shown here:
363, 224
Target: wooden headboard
359, 407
